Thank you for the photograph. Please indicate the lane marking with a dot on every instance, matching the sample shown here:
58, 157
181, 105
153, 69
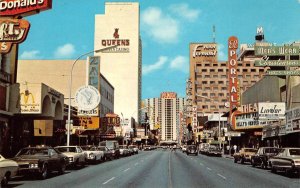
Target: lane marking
108, 180
126, 170
201, 164
208, 168
136, 164
222, 176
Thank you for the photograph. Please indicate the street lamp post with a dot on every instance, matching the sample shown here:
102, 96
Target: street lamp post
219, 135
70, 87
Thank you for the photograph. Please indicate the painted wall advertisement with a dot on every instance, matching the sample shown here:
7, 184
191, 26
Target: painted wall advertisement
293, 120
30, 98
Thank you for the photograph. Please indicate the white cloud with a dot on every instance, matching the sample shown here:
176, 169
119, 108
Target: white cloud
65, 51
156, 66
161, 27
221, 55
34, 54
183, 10
180, 63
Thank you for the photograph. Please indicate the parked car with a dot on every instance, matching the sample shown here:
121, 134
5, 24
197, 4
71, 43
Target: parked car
287, 160
147, 148
113, 146
41, 160
214, 151
203, 148
261, 158
8, 169
184, 147
108, 155
135, 148
244, 155
124, 150
75, 155
93, 154
192, 149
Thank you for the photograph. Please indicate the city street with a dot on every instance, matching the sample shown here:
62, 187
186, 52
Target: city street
164, 168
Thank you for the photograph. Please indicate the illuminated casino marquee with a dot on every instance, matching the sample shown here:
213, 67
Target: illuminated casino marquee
20, 7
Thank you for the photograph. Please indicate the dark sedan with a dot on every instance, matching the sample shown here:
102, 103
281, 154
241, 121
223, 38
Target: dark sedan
40, 160
108, 154
261, 158
192, 149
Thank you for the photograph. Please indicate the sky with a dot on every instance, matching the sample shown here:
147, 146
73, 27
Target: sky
167, 27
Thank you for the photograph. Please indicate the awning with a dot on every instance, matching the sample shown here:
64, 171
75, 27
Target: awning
87, 132
226, 114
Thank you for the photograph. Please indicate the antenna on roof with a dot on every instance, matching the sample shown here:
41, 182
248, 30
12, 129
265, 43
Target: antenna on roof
214, 34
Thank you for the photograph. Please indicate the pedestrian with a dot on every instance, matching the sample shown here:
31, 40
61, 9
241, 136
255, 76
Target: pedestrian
234, 148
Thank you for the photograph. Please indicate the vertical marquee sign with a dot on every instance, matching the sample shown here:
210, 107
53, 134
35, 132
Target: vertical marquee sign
232, 74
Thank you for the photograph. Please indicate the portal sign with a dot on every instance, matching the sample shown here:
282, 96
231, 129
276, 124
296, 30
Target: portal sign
232, 65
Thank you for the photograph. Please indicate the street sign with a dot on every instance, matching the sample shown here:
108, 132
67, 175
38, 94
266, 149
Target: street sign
276, 50
283, 73
276, 63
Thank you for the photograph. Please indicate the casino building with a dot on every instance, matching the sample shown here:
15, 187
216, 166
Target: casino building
164, 115
121, 65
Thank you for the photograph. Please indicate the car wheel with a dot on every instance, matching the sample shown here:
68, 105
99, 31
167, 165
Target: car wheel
242, 161
4, 181
262, 165
62, 168
235, 160
252, 162
44, 173
273, 169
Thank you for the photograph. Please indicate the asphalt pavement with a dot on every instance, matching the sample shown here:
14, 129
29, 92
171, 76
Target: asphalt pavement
163, 168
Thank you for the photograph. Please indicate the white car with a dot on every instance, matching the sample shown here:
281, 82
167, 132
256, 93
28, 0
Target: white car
75, 155
8, 169
93, 154
123, 150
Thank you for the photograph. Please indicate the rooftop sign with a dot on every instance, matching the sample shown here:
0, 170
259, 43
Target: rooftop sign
276, 50
277, 63
283, 73
19, 7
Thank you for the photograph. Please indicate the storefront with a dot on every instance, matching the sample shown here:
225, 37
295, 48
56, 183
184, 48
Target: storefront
40, 115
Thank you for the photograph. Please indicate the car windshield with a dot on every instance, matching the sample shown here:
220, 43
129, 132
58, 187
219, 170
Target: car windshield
250, 150
192, 147
272, 150
66, 149
294, 152
88, 148
101, 148
33, 151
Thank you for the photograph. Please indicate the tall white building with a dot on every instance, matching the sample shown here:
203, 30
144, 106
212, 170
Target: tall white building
163, 113
119, 25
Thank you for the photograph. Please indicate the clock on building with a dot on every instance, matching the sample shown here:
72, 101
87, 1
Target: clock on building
87, 97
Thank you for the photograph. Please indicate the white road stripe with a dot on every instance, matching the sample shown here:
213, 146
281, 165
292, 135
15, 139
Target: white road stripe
201, 164
136, 164
108, 180
126, 170
208, 168
222, 176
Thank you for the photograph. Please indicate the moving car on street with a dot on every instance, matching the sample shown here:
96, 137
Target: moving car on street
214, 150
203, 148
8, 169
287, 160
74, 153
183, 149
93, 154
41, 160
192, 149
244, 155
261, 158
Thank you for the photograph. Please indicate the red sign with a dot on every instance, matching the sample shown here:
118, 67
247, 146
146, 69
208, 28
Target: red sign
20, 7
168, 95
232, 76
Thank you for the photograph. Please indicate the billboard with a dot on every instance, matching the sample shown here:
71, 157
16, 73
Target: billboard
271, 110
293, 120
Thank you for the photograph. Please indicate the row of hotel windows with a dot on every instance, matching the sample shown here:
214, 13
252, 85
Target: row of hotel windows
224, 64
107, 95
226, 70
248, 76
